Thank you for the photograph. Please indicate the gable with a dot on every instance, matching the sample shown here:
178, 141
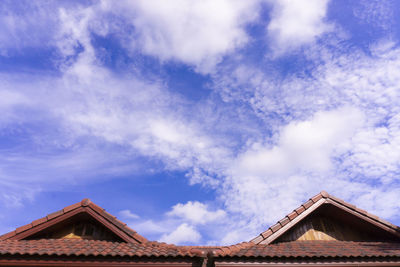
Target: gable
80, 226
329, 228
83, 220
325, 217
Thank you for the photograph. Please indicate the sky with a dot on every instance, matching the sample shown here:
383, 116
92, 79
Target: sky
198, 122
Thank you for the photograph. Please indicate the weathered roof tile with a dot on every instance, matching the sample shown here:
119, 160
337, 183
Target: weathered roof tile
23, 228
319, 249
284, 221
275, 227
308, 204
77, 247
39, 221
300, 210
55, 214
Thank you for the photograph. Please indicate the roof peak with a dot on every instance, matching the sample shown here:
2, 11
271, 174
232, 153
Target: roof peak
85, 202
324, 194
109, 221
323, 197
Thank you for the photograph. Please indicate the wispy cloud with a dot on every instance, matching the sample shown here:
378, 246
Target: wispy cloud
127, 214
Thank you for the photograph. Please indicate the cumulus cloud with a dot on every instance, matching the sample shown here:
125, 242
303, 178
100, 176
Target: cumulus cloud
183, 223
301, 161
295, 23
359, 160
198, 33
183, 234
196, 213
304, 145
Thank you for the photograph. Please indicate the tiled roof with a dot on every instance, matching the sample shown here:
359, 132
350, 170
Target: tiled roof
315, 249
13, 243
296, 249
80, 247
317, 200
221, 250
84, 204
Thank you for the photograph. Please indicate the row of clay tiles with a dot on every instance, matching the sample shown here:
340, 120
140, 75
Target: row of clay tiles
82, 247
297, 249
291, 216
84, 203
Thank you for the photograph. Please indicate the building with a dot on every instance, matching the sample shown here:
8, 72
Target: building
324, 231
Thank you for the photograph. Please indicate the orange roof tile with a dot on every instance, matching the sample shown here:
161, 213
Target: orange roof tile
80, 247
322, 249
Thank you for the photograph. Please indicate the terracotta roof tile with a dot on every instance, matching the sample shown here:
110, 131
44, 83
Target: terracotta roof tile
307, 249
300, 210
39, 221
54, 214
275, 227
308, 204
108, 215
324, 194
80, 247
284, 221
23, 228
8, 235
292, 215
232, 250
96, 208
267, 233
316, 197
260, 238
85, 202
119, 223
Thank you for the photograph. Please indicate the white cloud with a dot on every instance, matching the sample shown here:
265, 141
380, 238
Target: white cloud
25, 24
197, 33
295, 23
129, 214
304, 145
150, 228
351, 153
74, 30
9, 101
131, 115
299, 165
185, 233
375, 13
196, 213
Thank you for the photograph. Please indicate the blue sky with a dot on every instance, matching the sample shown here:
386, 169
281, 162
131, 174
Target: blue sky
198, 122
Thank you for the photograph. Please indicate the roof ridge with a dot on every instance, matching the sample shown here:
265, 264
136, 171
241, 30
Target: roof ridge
230, 249
307, 205
362, 211
84, 203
